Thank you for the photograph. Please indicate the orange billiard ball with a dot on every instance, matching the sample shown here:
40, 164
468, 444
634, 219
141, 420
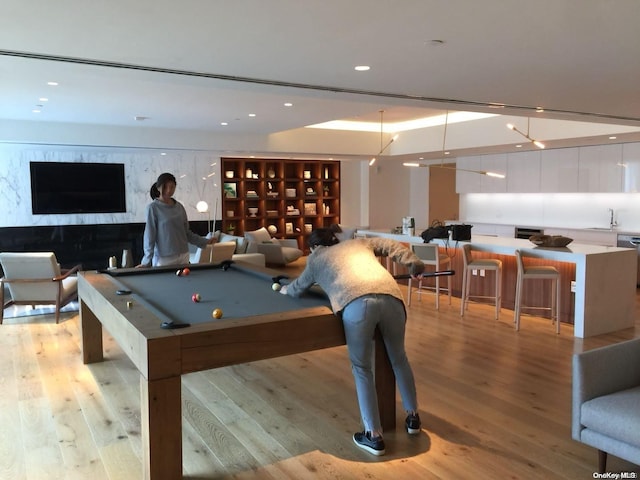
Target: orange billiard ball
195, 297
186, 271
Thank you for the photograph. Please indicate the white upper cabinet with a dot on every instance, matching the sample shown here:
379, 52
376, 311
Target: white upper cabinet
631, 167
466, 180
559, 170
523, 172
495, 164
600, 168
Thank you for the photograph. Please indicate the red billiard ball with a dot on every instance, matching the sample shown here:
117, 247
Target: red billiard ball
195, 297
186, 271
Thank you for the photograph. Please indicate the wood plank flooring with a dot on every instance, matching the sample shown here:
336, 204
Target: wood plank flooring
494, 404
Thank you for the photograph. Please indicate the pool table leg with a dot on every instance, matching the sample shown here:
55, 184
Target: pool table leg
161, 415
385, 385
91, 334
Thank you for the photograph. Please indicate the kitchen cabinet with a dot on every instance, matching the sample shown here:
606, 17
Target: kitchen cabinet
600, 168
523, 172
289, 197
466, 180
631, 167
559, 170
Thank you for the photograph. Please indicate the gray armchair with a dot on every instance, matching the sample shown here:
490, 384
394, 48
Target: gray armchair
276, 251
606, 401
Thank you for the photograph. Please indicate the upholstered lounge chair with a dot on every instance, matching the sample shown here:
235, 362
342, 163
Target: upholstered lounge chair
36, 279
606, 401
276, 251
215, 253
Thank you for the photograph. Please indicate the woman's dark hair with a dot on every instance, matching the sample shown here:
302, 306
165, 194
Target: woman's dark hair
162, 179
322, 236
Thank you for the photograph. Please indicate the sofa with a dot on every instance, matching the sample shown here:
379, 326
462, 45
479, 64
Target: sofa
606, 401
276, 251
239, 253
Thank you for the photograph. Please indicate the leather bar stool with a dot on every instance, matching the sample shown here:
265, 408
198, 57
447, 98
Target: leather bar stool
430, 255
480, 264
537, 272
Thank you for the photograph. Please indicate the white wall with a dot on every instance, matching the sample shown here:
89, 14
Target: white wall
142, 167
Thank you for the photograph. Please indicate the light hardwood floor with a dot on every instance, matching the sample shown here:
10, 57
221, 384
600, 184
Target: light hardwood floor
494, 404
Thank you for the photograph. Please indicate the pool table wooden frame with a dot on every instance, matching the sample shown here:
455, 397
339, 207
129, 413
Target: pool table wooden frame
162, 356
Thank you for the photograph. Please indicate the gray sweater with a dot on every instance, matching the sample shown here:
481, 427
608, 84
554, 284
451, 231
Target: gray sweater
350, 269
167, 231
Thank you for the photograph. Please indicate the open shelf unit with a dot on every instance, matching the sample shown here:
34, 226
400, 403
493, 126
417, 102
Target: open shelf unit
294, 196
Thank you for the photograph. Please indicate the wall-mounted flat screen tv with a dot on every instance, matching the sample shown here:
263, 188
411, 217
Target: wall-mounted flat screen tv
65, 187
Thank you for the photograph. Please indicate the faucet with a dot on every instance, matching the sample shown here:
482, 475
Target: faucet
612, 222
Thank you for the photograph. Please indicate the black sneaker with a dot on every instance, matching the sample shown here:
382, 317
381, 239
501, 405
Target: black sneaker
413, 424
374, 446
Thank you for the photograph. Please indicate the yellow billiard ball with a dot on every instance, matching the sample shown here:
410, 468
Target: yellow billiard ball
217, 313
276, 287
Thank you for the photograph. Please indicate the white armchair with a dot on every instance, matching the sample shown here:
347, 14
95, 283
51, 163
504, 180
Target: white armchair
215, 253
36, 279
276, 251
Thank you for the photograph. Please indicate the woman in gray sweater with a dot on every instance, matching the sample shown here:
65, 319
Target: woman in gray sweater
365, 296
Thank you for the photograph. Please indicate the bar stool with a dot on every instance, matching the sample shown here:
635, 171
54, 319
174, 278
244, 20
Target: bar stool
430, 255
479, 264
538, 272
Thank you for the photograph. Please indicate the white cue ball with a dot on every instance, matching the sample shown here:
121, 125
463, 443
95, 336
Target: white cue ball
276, 287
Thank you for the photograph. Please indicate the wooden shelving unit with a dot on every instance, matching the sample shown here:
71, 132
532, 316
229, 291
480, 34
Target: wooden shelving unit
291, 196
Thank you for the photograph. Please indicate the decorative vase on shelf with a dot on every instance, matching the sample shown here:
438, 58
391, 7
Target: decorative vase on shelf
271, 173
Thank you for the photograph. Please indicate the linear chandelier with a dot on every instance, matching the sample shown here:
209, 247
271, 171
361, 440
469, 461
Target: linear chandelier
444, 152
537, 143
382, 147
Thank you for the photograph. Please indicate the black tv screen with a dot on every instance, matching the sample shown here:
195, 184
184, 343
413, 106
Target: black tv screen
58, 187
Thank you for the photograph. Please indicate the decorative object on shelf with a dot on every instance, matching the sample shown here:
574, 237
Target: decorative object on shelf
326, 209
230, 213
326, 173
306, 174
288, 227
550, 241
310, 209
253, 211
229, 173
230, 190
272, 213
325, 189
271, 173
290, 192
248, 173
272, 229
231, 228
291, 210
310, 191
308, 228
252, 194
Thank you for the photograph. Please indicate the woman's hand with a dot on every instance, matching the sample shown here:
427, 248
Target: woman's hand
212, 240
283, 289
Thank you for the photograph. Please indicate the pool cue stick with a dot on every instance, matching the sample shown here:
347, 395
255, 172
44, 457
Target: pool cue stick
213, 225
442, 273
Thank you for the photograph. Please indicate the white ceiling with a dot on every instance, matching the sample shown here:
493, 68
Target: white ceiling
193, 64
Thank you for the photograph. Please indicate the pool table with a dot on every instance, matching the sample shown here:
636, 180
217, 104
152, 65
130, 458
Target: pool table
257, 323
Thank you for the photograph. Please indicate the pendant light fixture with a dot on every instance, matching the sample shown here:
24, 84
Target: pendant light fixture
537, 143
382, 147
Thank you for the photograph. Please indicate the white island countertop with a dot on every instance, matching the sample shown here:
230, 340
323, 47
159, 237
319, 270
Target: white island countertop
606, 277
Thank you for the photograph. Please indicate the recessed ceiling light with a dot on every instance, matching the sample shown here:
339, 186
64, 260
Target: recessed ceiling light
362, 68
35, 110
539, 109
252, 114
612, 138
224, 123
288, 104
43, 99
163, 153
53, 84
518, 146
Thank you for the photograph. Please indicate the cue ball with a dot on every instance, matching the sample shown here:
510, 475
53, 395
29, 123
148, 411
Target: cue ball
276, 287
186, 271
217, 313
178, 272
195, 297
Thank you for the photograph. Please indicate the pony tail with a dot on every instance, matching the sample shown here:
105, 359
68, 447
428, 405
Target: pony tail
154, 192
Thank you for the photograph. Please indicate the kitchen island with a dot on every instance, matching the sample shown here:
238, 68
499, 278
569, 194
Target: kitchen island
605, 277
